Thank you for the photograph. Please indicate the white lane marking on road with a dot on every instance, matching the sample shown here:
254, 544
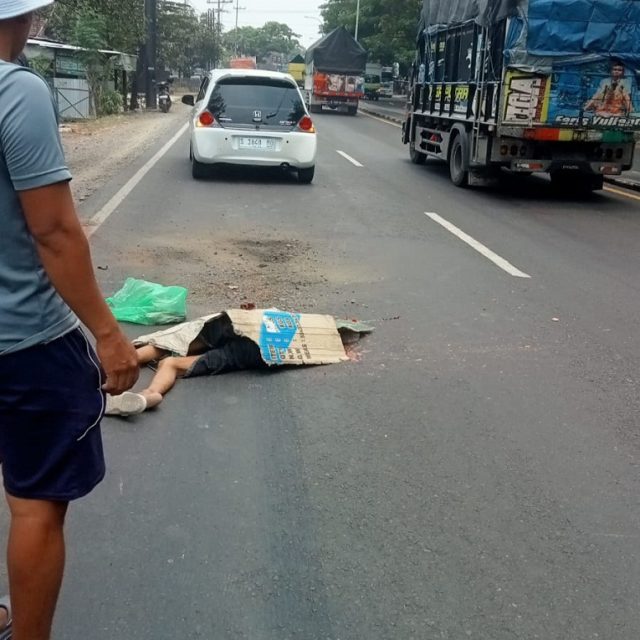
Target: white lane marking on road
478, 246
346, 156
101, 217
393, 124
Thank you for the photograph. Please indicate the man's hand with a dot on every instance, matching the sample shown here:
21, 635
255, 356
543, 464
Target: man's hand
119, 361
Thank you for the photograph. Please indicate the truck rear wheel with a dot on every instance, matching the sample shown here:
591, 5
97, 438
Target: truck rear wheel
315, 108
459, 176
352, 111
417, 157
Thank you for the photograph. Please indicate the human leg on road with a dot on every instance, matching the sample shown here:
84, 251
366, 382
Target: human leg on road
234, 354
35, 560
169, 370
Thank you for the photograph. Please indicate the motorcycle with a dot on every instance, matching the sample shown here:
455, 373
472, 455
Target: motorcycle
164, 97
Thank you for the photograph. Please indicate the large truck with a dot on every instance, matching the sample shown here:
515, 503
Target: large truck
246, 62
372, 80
526, 85
335, 73
296, 68
387, 79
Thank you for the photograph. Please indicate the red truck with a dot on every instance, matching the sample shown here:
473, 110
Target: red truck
335, 73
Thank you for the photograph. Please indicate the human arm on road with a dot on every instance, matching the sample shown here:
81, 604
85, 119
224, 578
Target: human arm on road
64, 251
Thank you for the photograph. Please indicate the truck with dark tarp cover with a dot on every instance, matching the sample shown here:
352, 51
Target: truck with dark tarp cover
335, 72
529, 86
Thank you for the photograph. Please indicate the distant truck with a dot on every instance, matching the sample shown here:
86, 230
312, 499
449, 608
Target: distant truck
372, 81
335, 69
525, 85
386, 82
297, 68
247, 62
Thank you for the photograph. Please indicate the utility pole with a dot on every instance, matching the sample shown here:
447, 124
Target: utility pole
357, 18
211, 29
238, 10
219, 11
151, 49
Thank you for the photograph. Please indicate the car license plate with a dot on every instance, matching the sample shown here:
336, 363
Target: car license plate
261, 144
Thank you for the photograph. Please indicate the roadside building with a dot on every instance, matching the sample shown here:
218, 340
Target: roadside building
63, 68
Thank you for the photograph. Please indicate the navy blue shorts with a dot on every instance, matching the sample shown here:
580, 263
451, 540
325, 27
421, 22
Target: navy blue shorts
51, 404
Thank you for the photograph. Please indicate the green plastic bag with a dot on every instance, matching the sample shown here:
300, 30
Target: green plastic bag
142, 302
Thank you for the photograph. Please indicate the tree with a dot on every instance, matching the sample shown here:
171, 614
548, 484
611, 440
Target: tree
123, 21
178, 37
89, 34
273, 37
387, 29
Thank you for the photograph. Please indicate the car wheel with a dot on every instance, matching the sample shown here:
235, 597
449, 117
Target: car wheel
305, 176
199, 171
459, 176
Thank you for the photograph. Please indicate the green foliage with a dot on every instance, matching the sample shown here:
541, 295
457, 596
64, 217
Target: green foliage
387, 29
41, 65
90, 34
273, 37
185, 40
111, 103
178, 35
123, 21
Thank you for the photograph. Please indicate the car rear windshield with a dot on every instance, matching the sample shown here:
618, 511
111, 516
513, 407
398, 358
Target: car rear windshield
252, 103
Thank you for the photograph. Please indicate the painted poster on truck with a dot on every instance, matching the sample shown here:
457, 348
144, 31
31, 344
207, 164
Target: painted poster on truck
335, 84
599, 95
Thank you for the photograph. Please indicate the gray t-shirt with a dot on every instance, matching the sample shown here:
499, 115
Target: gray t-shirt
31, 156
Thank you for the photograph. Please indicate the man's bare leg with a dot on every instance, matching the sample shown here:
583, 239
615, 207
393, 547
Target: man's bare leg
148, 353
35, 559
169, 370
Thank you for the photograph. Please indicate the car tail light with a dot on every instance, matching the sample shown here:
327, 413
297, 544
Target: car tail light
306, 125
206, 119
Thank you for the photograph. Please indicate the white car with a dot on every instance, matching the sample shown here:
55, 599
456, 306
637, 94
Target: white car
251, 117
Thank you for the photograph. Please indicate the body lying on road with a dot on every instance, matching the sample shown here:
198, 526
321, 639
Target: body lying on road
235, 340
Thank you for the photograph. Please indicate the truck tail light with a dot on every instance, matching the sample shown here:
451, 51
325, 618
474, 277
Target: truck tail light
306, 125
529, 166
206, 119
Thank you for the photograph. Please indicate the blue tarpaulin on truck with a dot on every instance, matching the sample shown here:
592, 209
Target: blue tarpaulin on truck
545, 29
609, 28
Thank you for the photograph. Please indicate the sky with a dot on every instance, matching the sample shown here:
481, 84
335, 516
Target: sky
255, 13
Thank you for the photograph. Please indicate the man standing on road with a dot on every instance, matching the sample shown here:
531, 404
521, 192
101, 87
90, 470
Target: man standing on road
51, 381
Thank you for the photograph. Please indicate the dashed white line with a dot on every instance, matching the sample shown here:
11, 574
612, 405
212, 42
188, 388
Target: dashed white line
478, 246
101, 217
346, 156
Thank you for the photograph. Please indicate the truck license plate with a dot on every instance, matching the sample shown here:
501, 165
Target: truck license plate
262, 144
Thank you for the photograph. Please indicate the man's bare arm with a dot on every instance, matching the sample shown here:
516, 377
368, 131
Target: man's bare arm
64, 251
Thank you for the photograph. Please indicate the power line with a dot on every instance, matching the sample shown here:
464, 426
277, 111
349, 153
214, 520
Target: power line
219, 10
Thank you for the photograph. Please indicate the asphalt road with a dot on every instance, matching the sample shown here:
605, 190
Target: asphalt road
475, 475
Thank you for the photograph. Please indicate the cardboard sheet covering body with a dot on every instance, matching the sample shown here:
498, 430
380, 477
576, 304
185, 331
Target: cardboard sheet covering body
283, 338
